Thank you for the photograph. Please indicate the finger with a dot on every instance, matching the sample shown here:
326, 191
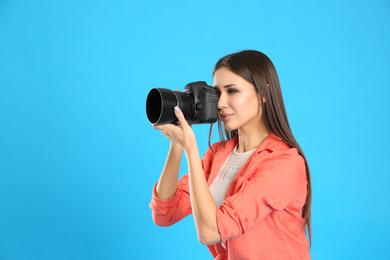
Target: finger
180, 116
166, 134
162, 127
167, 128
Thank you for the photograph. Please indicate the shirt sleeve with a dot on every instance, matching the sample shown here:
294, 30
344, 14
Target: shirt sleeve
169, 211
275, 184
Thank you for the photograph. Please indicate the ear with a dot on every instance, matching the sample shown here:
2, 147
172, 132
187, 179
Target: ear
264, 99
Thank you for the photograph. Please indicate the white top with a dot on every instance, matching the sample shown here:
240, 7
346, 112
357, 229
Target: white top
226, 174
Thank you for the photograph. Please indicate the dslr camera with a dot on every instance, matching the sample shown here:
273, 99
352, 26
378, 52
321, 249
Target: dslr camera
198, 102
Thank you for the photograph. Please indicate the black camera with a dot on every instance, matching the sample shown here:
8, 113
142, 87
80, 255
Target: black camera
198, 102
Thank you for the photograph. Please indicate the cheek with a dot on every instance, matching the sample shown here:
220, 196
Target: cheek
246, 104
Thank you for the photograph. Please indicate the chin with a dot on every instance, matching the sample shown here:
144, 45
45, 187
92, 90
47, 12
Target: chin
229, 128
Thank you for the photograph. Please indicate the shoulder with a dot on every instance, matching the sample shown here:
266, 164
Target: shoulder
288, 156
223, 145
286, 163
219, 149
278, 150
277, 156
212, 150
216, 146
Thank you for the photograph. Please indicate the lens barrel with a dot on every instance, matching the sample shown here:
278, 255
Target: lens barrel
160, 105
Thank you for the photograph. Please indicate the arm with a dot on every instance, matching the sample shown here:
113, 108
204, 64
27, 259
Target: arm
167, 184
203, 205
169, 211
170, 198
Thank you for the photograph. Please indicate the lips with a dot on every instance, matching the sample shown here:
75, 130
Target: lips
225, 116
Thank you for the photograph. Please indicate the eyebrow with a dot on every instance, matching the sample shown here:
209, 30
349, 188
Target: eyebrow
226, 86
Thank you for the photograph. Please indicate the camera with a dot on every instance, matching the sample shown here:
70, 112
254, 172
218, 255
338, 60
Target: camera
198, 102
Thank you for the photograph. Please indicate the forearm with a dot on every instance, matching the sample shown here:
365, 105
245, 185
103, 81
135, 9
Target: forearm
203, 205
167, 184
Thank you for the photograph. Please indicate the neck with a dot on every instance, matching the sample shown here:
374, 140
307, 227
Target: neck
249, 140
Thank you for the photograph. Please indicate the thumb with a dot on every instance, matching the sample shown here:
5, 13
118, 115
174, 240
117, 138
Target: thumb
180, 115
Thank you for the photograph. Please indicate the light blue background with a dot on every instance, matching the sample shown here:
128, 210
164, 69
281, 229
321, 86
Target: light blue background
78, 158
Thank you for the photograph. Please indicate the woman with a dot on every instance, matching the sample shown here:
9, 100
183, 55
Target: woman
250, 195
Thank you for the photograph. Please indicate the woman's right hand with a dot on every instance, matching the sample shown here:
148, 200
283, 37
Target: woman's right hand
181, 134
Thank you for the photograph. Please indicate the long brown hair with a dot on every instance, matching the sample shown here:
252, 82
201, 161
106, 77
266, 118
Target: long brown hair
256, 68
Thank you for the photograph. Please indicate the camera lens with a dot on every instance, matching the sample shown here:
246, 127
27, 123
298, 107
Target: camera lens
160, 103
157, 104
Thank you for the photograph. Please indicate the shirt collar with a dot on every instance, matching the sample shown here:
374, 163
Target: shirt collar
271, 142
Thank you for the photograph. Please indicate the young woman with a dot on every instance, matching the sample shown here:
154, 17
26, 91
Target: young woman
250, 195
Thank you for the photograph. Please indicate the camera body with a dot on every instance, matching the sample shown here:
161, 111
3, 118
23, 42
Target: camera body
205, 102
198, 102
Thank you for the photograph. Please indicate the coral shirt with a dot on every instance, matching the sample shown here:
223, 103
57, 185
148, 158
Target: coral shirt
261, 217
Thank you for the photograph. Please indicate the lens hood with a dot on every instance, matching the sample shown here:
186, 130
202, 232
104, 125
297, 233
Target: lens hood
159, 106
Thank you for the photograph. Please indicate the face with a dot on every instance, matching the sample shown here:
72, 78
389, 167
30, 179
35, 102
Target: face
239, 104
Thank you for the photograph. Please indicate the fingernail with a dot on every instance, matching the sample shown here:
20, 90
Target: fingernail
177, 109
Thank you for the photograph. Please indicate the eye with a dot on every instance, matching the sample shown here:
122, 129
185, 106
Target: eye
232, 90
217, 92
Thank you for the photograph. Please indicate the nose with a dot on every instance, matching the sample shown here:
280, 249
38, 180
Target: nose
221, 101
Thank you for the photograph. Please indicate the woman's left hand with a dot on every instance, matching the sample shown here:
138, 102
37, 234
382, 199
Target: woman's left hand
181, 134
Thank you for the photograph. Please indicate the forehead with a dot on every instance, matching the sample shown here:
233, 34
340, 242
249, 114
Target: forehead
224, 75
